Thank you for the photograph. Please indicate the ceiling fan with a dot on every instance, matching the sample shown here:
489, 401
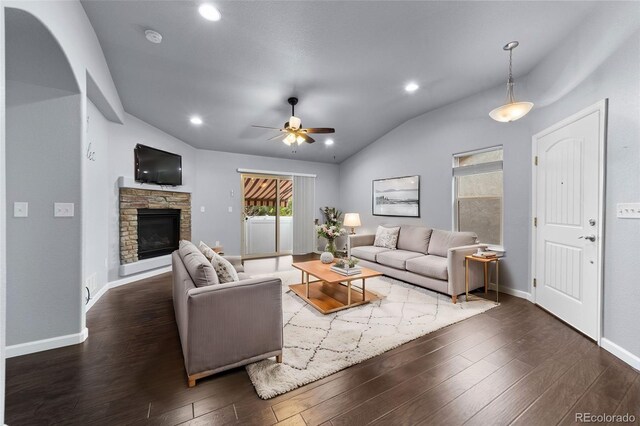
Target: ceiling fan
293, 128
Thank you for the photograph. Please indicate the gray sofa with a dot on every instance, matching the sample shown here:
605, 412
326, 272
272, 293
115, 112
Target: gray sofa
430, 258
223, 326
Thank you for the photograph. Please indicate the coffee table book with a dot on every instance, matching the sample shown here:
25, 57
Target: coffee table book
346, 271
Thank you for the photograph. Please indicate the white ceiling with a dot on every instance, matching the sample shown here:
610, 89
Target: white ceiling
347, 62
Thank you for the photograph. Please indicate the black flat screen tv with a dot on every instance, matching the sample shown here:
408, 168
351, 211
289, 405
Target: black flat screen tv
157, 166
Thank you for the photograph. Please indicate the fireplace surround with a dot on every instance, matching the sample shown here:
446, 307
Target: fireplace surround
132, 201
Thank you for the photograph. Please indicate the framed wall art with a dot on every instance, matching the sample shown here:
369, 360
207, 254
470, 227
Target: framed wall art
398, 196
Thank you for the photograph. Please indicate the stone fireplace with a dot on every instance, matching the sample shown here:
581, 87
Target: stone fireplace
152, 222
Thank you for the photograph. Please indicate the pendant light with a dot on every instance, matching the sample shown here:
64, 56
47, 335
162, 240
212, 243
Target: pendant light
512, 110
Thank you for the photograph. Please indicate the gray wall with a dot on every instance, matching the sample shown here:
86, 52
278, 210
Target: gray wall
210, 175
43, 122
217, 177
424, 146
95, 198
601, 61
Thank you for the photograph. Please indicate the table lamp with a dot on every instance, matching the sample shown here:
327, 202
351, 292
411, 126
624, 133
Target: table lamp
352, 220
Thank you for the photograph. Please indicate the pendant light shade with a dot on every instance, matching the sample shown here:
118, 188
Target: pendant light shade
511, 110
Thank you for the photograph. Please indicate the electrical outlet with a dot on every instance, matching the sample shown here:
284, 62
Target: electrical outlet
63, 210
20, 209
628, 210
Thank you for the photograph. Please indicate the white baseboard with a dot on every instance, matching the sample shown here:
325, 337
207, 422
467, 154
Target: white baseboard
138, 277
96, 297
621, 353
46, 344
124, 281
513, 292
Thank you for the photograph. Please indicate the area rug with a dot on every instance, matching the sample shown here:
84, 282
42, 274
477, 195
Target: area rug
317, 345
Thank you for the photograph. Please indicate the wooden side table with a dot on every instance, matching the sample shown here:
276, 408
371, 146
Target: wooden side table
485, 263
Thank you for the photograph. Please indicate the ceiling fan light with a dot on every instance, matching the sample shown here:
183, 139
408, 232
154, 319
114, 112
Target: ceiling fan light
300, 140
290, 139
294, 122
511, 111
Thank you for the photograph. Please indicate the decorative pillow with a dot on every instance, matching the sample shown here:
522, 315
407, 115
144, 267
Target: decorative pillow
387, 237
206, 250
200, 270
225, 270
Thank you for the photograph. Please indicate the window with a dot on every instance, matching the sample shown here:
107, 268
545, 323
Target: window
477, 194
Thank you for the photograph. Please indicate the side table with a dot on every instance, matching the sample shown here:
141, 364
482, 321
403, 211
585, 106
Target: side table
485, 262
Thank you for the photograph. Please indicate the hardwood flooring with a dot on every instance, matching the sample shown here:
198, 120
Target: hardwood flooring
514, 364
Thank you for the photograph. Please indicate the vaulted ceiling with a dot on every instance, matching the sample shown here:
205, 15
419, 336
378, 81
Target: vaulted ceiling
348, 62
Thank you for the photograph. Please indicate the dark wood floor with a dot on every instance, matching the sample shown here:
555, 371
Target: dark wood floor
512, 364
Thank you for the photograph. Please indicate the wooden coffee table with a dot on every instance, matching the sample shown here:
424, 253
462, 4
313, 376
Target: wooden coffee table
332, 291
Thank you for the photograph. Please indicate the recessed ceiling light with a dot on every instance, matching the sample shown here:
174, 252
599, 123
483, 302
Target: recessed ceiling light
209, 12
153, 36
411, 87
196, 120
328, 142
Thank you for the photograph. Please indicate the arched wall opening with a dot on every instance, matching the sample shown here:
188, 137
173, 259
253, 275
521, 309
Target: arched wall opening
43, 157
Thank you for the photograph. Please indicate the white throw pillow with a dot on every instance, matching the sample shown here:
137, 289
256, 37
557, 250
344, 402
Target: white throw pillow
206, 250
224, 269
387, 237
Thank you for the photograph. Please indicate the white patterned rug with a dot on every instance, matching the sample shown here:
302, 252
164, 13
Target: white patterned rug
317, 345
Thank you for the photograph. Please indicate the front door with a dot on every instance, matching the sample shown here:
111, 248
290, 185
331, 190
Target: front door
568, 199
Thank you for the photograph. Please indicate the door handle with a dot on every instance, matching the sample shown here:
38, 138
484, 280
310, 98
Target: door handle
591, 237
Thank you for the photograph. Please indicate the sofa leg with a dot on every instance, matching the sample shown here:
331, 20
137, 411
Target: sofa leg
192, 381
279, 359
454, 298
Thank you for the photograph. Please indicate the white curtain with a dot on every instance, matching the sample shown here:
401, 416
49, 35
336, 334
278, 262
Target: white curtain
304, 195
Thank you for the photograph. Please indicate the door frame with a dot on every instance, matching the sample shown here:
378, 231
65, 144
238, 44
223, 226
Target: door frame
243, 236
600, 107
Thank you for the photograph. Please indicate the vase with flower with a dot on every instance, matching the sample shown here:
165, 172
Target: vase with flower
331, 229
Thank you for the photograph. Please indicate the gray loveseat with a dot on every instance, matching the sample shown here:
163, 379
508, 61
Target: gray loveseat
430, 258
223, 326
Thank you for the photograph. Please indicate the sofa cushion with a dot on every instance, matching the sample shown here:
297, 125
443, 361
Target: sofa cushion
387, 237
396, 258
224, 269
441, 241
367, 252
199, 268
243, 276
414, 238
429, 266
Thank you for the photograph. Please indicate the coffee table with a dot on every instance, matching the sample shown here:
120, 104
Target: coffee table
332, 291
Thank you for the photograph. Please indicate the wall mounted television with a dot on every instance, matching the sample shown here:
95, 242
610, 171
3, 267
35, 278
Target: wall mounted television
156, 166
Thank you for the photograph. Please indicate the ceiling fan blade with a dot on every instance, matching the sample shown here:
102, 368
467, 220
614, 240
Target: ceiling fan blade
306, 138
267, 127
320, 130
275, 137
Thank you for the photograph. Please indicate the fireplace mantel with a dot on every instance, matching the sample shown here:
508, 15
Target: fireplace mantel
127, 182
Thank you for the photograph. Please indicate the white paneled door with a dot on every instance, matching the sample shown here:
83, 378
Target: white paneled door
568, 213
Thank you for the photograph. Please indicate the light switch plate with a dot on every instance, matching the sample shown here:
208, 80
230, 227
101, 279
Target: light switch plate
63, 210
230, 209
628, 210
201, 209
20, 209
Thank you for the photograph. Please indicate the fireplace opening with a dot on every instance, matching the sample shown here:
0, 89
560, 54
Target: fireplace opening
158, 232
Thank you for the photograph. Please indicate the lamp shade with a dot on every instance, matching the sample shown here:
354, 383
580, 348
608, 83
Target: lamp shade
351, 219
511, 111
